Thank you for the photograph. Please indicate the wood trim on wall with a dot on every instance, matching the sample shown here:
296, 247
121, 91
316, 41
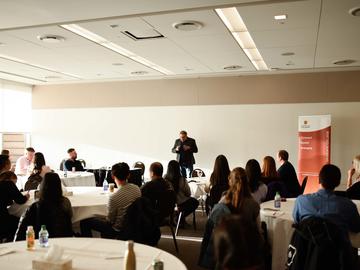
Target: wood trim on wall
256, 89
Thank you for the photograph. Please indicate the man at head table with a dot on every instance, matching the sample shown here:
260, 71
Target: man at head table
72, 162
24, 162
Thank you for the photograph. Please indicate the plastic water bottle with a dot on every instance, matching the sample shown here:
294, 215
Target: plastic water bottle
43, 237
30, 238
277, 200
129, 256
65, 170
105, 185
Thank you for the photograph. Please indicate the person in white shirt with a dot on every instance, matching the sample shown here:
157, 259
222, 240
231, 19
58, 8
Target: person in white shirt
24, 162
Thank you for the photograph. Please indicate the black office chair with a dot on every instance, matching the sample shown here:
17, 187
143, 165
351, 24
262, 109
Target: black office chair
180, 213
303, 185
140, 165
62, 164
83, 163
195, 172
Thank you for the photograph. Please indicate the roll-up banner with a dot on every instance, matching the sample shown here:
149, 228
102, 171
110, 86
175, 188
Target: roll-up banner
314, 148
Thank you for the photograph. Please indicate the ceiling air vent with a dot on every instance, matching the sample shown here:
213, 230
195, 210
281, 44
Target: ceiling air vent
188, 25
51, 38
234, 67
344, 62
140, 72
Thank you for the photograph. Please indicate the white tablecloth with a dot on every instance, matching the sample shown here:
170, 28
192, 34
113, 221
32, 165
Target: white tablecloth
279, 225
197, 186
73, 179
90, 254
86, 202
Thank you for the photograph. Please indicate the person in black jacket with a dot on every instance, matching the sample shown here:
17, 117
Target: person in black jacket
184, 147
288, 175
52, 209
9, 193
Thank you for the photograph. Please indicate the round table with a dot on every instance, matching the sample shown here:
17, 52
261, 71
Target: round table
88, 253
279, 224
86, 202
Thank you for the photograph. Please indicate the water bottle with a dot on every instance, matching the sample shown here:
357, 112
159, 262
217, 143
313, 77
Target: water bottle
129, 256
30, 238
277, 200
105, 185
43, 237
65, 170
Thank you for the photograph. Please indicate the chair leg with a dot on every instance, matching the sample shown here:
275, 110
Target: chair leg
174, 237
194, 220
178, 223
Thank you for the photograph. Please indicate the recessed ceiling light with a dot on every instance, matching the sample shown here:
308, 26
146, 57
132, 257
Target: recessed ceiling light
141, 72
355, 11
117, 64
187, 25
274, 68
280, 17
344, 62
288, 54
234, 67
51, 38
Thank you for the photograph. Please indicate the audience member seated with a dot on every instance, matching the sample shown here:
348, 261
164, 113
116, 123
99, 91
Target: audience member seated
219, 182
5, 152
157, 191
257, 188
238, 244
9, 193
288, 175
23, 164
184, 201
237, 200
112, 225
353, 181
72, 162
5, 164
35, 177
269, 173
325, 204
52, 210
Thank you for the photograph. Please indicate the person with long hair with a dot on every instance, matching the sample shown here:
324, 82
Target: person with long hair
218, 182
9, 194
238, 244
184, 201
353, 179
269, 172
237, 200
35, 178
257, 188
52, 209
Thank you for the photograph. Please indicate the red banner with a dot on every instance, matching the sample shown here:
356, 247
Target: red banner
314, 148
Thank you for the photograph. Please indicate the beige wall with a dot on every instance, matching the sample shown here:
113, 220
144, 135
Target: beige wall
128, 121
262, 89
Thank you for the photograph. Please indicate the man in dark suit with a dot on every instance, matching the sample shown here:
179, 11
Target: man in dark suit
288, 175
184, 148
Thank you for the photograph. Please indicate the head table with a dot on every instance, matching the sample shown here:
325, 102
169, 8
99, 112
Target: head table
88, 253
279, 224
85, 201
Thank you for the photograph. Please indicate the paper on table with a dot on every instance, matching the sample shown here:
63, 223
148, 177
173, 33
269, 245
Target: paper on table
269, 212
6, 250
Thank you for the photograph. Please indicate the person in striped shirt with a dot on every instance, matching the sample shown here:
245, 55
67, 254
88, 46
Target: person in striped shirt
112, 225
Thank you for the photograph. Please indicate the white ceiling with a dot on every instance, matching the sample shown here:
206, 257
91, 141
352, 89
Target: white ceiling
318, 32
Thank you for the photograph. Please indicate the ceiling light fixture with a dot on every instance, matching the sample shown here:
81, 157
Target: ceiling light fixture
141, 72
288, 54
76, 29
280, 17
233, 21
355, 11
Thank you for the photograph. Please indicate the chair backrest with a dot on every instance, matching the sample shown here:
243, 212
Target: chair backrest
303, 184
141, 165
166, 203
195, 172
135, 177
83, 163
62, 164
276, 186
318, 244
33, 182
